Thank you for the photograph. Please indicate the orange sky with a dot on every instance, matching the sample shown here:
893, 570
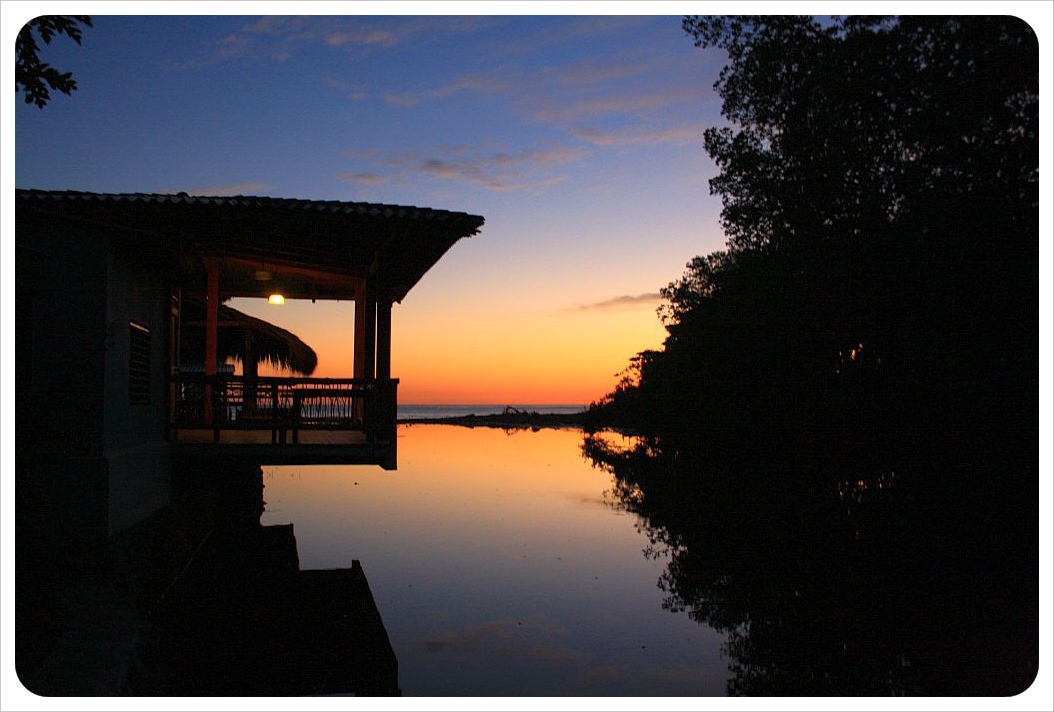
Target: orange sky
497, 356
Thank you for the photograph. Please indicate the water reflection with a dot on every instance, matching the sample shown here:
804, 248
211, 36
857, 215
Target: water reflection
244, 619
500, 567
549, 563
862, 588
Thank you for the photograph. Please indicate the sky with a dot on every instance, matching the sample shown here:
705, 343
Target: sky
577, 138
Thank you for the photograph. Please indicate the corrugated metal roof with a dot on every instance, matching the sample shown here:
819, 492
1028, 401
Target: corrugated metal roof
380, 210
337, 241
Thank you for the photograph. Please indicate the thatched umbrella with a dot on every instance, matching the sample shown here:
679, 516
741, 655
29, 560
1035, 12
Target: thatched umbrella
246, 338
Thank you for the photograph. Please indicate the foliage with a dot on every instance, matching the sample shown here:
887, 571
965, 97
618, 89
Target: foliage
838, 129
873, 317
879, 180
34, 77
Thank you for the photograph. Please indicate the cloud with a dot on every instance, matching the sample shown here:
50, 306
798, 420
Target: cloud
222, 50
497, 170
623, 303
640, 135
498, 81
351, 91
502, 171
366, 178
247, 188
332, 31
362, 36
555, 96
279, 37
355, 33
598, 71
560, 109
570, 31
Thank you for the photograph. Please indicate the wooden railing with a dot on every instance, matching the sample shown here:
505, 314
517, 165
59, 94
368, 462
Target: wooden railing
285, 406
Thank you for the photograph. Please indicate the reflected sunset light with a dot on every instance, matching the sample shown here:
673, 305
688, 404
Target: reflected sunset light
489, 546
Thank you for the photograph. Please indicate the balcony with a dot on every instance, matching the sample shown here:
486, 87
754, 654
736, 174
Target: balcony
285, 420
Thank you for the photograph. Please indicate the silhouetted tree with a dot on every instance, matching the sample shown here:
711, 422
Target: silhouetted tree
879, 180
34, 77
848, 393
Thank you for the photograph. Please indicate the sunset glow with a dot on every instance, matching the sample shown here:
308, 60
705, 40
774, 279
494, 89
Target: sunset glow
578, 139
531, 358
393, 350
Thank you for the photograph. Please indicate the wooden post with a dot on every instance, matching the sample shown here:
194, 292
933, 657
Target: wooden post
359, 358
386, 412
370, 341
250, 372
212, 309
365, 330
384, 340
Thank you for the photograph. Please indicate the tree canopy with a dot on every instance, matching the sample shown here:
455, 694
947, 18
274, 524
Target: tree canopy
836, 128
879, 184
849, 390
37, 78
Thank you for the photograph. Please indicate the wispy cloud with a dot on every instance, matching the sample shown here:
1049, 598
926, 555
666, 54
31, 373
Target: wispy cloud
355, 92
570, 31
622, 303
362, 36
281, 37
556, 108
496, 170
357, 33
247, 188
365, 178
641, 135
597, 71
332, 31
226, 48
497, 81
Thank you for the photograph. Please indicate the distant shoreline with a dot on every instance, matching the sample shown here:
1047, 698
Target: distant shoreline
509, 418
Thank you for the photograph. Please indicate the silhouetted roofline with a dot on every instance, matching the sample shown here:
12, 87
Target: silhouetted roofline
324, 246
382, 210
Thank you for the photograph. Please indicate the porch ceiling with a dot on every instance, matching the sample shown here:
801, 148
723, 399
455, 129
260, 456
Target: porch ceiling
311, 248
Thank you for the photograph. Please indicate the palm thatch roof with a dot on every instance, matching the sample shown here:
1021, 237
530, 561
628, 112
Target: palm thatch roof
246, 339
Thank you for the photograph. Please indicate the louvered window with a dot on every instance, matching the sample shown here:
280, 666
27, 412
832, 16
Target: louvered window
138, 364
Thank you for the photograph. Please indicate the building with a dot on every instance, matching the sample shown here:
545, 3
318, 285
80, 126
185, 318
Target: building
104, 285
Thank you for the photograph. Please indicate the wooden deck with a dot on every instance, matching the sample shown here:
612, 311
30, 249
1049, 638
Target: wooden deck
278, 421
192, 436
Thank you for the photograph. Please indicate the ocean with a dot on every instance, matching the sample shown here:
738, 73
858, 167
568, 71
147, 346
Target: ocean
417, 412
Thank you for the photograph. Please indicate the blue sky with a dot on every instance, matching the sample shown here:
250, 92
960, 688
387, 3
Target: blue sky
578, 138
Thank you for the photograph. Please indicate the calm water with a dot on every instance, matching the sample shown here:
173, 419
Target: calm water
500, 567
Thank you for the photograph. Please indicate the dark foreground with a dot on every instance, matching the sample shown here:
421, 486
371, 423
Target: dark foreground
247, 621
200, 600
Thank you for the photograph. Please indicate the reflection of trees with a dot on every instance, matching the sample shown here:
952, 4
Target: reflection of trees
855, 592
843, 417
